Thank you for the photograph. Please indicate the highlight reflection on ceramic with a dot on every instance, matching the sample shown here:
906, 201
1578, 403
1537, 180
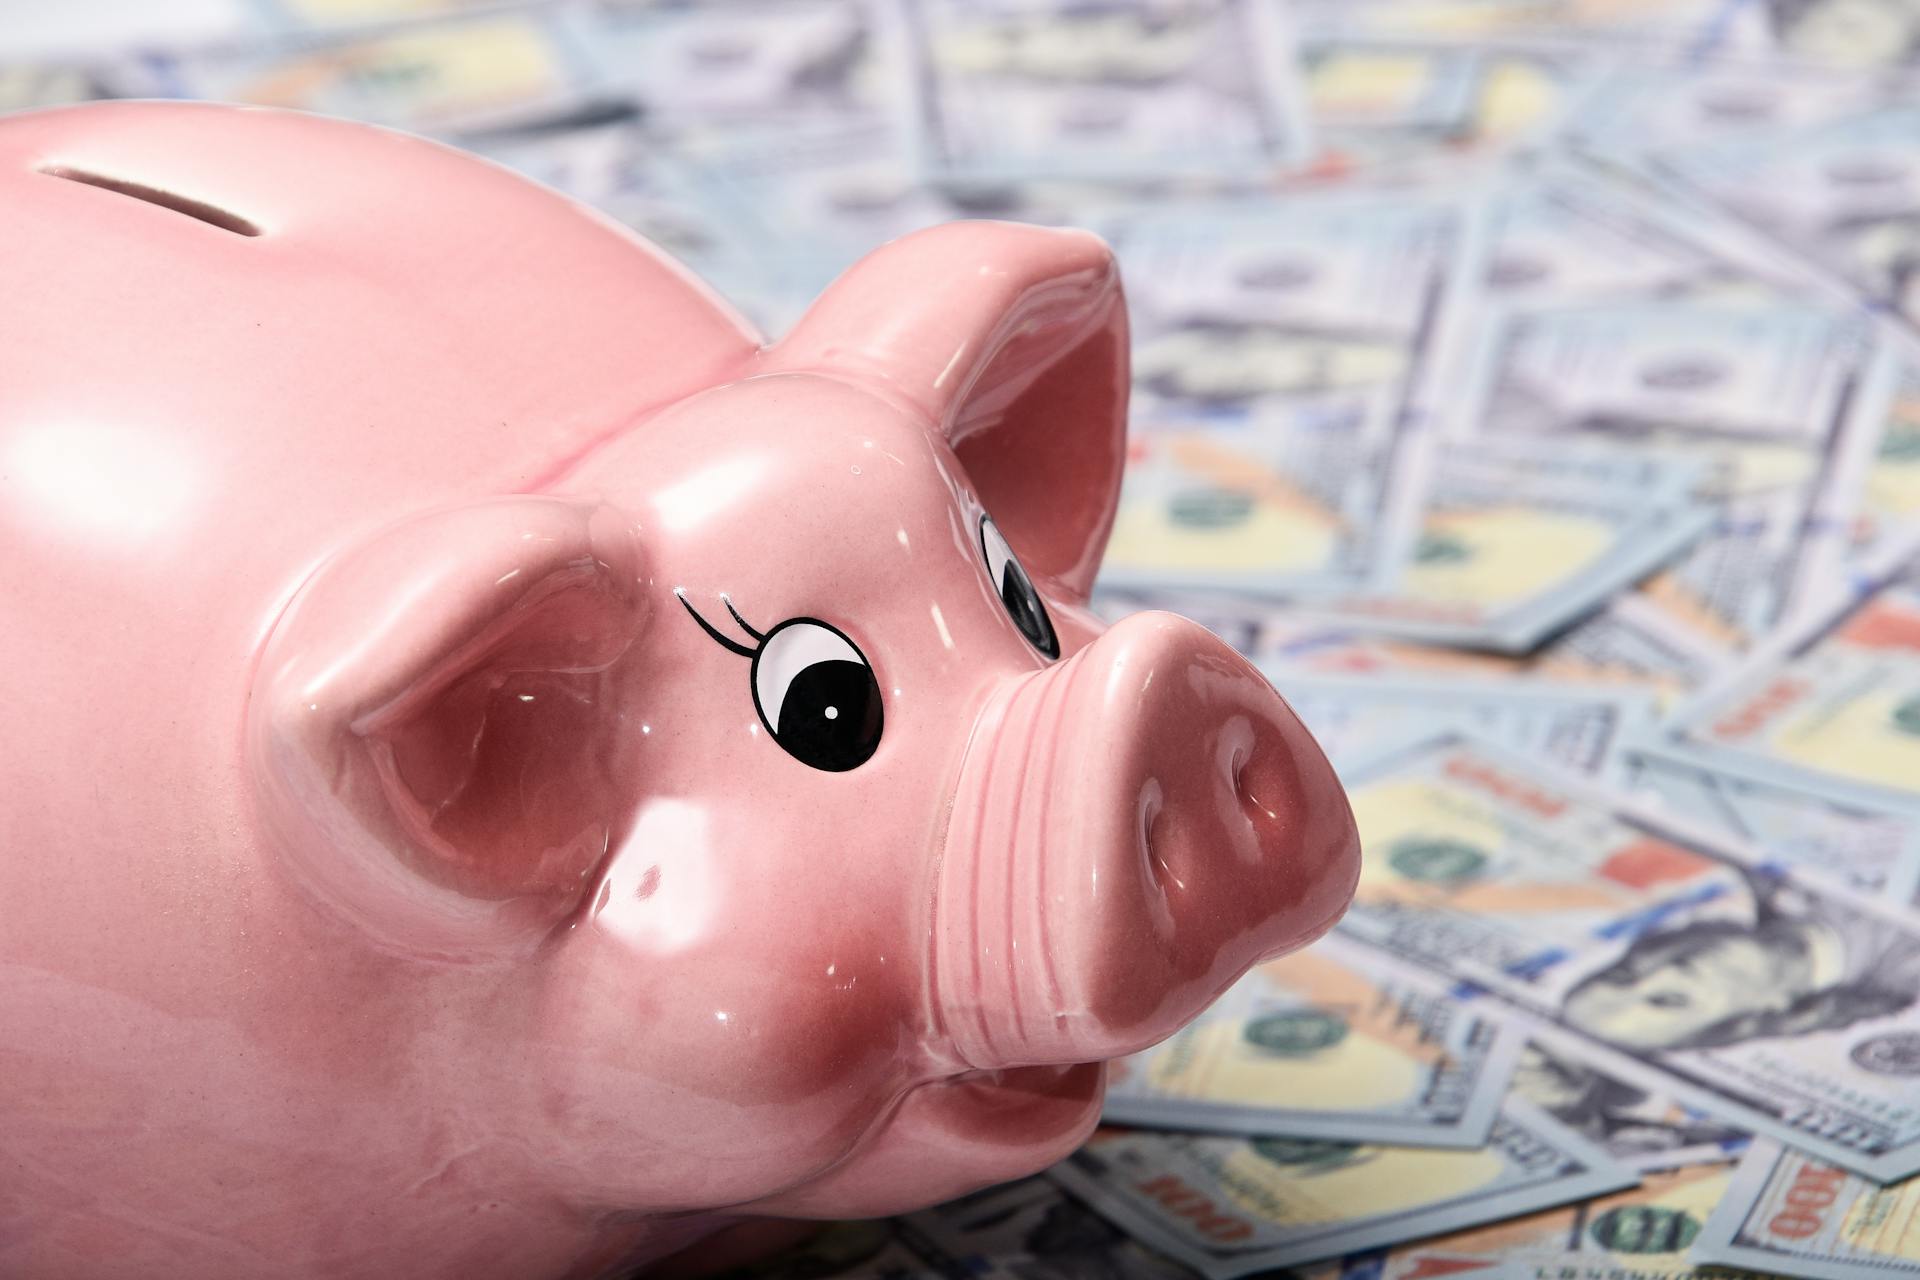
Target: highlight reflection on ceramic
507, 771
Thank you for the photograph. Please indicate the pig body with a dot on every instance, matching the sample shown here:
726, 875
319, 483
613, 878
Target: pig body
506, 772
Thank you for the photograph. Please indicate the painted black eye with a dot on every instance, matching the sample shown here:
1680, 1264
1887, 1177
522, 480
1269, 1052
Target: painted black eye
817, 695
1016, 590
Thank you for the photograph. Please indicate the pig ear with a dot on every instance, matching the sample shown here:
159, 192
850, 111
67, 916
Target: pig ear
1012, 339
430, 735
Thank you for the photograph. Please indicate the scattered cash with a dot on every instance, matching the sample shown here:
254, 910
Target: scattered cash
1233, 1206
1330, 1043
1532, 389
1786, 1212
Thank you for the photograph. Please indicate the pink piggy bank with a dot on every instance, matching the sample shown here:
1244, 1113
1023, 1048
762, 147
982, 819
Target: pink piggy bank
505, 772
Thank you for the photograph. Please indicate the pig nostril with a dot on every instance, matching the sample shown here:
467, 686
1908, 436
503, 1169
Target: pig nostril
1152, 806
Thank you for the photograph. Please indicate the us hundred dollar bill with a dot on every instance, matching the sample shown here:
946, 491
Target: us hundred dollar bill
1790, 1213
1330, 1043
1837, 702
1643, 1231
1233, 1206
1673, 956
1872, 848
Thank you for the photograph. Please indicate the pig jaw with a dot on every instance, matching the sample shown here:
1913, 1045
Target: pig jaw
1133, 828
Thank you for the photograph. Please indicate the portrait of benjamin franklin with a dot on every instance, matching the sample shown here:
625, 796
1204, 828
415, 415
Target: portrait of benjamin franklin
1798, 965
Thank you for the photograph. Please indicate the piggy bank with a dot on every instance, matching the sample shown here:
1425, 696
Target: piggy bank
506, 772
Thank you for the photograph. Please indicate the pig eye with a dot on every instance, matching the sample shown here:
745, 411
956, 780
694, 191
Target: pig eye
817, 695
1016, 590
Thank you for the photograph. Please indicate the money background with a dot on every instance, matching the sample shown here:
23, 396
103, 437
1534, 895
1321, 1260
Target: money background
1532, 388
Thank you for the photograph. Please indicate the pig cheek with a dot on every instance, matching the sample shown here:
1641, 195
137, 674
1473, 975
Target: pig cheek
802, 1058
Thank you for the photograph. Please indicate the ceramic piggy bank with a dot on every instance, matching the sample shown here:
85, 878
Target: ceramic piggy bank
504, 771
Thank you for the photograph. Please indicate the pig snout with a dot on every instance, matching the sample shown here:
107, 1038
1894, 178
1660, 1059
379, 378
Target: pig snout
1133, 828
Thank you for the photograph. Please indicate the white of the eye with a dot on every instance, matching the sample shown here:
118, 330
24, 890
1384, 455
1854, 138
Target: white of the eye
787, 653
997, 551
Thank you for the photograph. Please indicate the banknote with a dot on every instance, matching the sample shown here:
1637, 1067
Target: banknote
1648, 370
1676, 958
1873, 849
1012, 88
1758, 394
1237, 301
1639, 1124
320, 15
1357, 85
1398, 104
1882, 510
1634, 1234
1326, 1043
1562, 234
1356, 717
1285, 502
1234, 1206
1788, 1213
800, 205
472, 73
1025, 1230
26, 86
1032, 1230
772, 62
1676, 20
1677, 103
1634, 643
1498, 566
1836, 702
1844, 192
1628, 645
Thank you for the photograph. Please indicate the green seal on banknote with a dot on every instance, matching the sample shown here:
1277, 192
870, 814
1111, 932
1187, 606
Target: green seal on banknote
1901, 442
1644, 1228
1295, 1033
1431, 861
1307, 1154
1442, 548
1906, 717
1210, 508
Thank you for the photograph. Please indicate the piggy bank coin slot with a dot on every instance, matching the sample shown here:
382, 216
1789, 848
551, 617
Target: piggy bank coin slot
212, 215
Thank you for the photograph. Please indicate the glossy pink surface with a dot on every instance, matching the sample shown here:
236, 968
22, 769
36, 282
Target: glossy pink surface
412, 866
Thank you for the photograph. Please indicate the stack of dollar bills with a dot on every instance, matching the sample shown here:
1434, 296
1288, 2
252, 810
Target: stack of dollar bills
1532, 388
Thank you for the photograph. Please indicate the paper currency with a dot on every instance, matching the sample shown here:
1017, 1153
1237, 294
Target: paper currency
1033, 1230
1328, 1043
1356, 717
1281, 504
479, 72
1837, 703
1641, 1125
1844, 192
1234, 1206
1635, 643
1874, 849
1788, 1213
1497, 565
1758, 394
1393, 105
1012, 89
1777, 1003
1648, 1230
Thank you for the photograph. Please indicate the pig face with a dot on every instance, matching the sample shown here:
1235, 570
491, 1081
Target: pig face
820, 842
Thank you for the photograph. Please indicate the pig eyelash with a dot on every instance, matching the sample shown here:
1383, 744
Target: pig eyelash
745, 626
725, 642
812, 687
